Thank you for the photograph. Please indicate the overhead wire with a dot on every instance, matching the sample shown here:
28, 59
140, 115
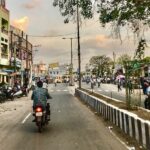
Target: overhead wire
50, 36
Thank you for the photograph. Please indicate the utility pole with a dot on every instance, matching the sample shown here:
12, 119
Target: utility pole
78, 37
20, 47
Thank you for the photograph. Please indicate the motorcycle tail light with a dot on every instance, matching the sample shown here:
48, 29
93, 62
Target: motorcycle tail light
38, 109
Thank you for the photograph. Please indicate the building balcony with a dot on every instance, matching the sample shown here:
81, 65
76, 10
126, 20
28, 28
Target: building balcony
4, 55
4, 31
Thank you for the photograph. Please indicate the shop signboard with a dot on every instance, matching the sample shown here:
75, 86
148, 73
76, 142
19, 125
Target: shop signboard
54, 65
4, 61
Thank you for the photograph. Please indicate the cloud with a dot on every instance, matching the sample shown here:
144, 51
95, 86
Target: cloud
32, 4
21, 23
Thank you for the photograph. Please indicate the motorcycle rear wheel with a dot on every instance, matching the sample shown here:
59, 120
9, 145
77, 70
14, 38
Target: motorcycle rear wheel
40, 127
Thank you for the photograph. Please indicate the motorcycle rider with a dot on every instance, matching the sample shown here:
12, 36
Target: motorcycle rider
40, 96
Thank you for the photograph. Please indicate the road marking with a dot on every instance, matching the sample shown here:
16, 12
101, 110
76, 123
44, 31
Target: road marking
123, 143
106, 90
114, 90
65, 90
58, 90
26, 118
100, 90
51, 90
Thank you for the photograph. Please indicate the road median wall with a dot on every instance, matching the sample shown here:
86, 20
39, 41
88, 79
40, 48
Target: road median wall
128, 122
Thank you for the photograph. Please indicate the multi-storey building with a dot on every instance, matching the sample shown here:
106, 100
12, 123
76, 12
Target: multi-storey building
4, 42
39, 69
20, 54
57, 72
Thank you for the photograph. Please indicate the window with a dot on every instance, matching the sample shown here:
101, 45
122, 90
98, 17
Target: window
4, 27
2, 39
4, 51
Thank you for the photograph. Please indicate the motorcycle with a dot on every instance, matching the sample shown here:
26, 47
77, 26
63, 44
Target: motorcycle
41, 116
2, 96
17, 92
24, 91
9, 92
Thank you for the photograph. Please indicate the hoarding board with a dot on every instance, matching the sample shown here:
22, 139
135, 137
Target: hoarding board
54, 65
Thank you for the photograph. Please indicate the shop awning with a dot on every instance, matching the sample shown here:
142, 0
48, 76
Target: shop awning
3, 73
8, 70
15, 73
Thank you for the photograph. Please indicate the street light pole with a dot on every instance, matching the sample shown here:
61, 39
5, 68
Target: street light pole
71, 64
33, 57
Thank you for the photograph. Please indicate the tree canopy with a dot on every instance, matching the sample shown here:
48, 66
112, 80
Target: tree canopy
123, 58
101, 64
124, 11
68, 8
121, 12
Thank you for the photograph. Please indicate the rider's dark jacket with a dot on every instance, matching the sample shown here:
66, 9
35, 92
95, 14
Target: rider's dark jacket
40, 96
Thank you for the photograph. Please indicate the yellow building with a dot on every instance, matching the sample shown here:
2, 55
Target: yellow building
4, 41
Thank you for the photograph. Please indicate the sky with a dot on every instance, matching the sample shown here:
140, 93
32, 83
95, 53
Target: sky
40, 18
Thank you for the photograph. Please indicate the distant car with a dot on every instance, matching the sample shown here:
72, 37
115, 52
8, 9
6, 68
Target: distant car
75, 79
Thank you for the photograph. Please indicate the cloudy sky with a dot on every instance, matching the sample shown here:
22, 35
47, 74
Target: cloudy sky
40, 18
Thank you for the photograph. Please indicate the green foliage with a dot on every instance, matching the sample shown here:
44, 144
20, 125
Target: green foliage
146, 60
124, 11
68, 8
140, 50
123, 58
101, 64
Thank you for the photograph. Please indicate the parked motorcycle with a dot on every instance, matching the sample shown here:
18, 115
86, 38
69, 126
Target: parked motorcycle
17, 92
8, 92
24, 91
2, 95
41, 116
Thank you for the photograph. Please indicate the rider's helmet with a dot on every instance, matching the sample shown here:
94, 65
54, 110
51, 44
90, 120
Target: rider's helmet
40, 84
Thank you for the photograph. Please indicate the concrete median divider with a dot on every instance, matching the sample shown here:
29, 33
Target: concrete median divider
128, 122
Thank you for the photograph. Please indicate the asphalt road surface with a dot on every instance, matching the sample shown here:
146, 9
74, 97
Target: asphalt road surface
73, 126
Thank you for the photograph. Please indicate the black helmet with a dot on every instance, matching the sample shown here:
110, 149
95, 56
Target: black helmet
40, 83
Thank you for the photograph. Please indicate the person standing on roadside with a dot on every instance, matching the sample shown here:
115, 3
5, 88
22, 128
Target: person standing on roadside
119, 85
99, 81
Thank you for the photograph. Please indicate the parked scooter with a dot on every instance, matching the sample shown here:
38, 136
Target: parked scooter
17, 92
2, 95
8, 92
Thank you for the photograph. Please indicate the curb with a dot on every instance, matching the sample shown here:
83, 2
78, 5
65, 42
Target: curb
128, 122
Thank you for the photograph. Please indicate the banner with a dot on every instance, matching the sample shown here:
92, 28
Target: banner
54, 65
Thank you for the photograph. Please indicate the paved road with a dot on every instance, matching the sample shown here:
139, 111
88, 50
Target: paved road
112, 91
73, 126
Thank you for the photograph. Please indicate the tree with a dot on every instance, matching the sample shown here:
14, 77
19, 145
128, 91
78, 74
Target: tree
118, 12
123, 58
68, 8
139, 54
125, 12
101, 64
146, 60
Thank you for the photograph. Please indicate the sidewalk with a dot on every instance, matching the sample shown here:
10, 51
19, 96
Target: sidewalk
135, 96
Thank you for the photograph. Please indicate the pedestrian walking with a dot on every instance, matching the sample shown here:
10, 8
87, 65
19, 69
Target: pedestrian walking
99, 81
119, 85
92, 84
130, 86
